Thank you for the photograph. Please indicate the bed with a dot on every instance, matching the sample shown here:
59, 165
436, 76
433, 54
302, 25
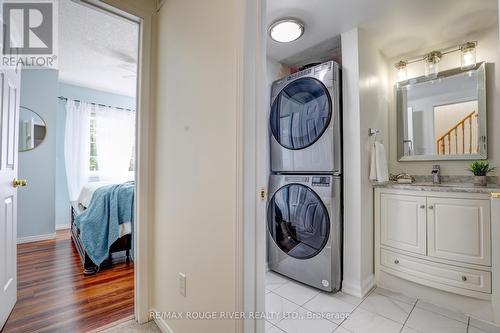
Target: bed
102, 223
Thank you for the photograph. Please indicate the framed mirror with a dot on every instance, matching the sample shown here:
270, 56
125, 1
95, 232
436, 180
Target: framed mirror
32, 129
444, 117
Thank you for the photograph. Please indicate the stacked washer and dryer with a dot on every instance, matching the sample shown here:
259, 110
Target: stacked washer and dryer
304, 215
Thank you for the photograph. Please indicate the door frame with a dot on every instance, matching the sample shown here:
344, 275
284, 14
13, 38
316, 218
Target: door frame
142, 13
252, 166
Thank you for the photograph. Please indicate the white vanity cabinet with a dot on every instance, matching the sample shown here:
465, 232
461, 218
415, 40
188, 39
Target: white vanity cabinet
438, 239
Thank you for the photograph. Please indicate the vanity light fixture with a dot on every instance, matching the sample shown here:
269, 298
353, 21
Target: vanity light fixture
286, 30
402, 70
432, 59
432, 63
468, 55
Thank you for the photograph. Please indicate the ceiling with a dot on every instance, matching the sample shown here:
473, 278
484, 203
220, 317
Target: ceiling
399, 27
96, 49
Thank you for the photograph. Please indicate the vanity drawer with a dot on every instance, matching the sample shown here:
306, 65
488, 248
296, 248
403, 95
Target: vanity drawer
437, 275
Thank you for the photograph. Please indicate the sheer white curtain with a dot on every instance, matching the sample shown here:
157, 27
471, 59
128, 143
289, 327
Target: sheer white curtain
77, 146
115, 137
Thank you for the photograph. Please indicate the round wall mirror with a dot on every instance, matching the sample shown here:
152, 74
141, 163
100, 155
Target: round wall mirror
32, 129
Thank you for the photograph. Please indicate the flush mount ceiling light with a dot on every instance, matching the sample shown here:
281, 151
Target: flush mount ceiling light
286, 30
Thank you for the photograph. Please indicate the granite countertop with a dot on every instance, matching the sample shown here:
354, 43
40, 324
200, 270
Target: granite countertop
443, 187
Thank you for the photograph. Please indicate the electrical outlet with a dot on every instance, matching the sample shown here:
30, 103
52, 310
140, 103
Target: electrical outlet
182, 284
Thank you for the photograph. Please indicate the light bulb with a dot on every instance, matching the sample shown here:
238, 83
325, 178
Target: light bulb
468, 55
432, 63
402, 71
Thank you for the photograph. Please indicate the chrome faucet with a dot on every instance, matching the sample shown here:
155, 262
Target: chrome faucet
436, 174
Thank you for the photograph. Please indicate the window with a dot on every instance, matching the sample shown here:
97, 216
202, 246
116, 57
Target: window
93, 165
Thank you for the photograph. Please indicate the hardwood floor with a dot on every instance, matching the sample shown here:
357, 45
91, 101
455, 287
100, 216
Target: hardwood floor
54, 296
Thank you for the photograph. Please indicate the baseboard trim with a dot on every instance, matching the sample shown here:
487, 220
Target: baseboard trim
63, 226
36, 238
359, 290
160, 322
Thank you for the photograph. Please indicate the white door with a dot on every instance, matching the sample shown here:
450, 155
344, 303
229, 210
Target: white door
403, 222
9, 118
460, 229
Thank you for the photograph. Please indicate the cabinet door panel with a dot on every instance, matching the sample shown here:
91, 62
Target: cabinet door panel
403, 222
459, 229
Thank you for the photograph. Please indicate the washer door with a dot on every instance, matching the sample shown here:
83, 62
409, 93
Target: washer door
300, 114
298, 221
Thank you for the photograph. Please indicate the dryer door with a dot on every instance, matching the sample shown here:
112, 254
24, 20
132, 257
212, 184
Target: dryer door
301, 113
298, 221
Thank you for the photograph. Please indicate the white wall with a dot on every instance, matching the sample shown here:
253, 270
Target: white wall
194, 229
364, 106
487, 50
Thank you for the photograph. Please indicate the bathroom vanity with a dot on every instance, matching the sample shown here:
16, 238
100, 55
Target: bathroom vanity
435, 235
436, 240
440, 242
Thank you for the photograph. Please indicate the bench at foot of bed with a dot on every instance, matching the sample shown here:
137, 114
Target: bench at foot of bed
89, 267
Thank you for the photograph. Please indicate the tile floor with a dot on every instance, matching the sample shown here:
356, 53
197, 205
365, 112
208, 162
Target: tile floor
296, 308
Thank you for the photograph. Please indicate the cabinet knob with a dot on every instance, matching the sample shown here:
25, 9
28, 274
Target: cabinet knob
464, 278
422, 206
396, 261
431, 207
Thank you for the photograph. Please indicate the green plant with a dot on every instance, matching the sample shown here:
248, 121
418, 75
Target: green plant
480, 168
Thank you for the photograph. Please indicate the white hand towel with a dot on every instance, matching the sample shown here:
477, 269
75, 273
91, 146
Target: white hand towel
378, 166
382, 169
373, 165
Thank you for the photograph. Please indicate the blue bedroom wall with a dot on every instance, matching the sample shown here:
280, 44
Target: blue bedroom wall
62, 208
36, 202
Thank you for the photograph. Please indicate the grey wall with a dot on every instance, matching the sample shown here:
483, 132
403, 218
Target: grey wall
36, 212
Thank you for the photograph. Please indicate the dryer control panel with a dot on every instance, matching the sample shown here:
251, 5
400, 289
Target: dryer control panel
321, 181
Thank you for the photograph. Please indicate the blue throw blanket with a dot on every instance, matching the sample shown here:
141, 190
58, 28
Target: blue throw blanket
109, 207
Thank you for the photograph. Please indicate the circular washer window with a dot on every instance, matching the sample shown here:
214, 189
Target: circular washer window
300, 114
298, 221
